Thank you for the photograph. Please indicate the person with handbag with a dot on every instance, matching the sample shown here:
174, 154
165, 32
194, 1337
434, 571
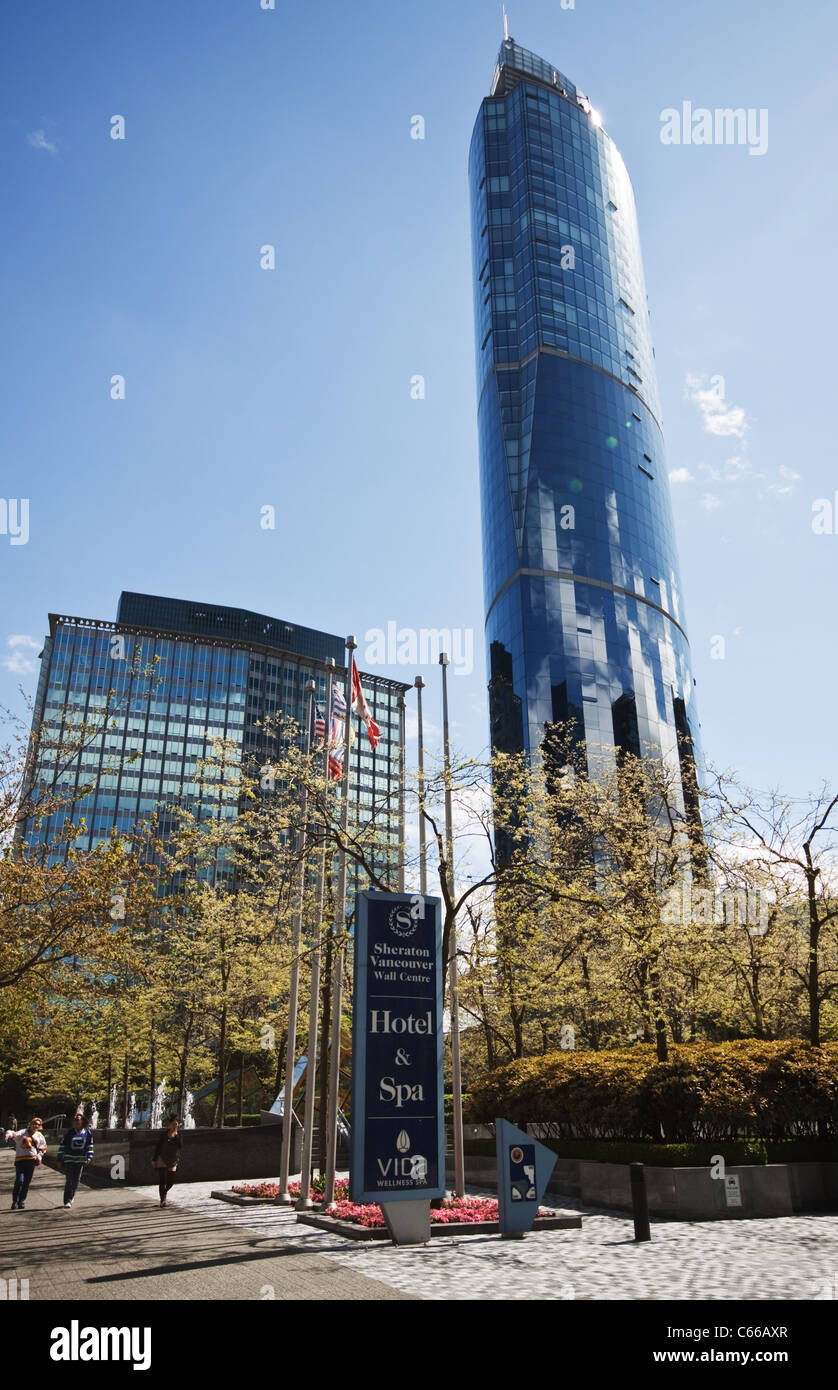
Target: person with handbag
30, 1146
75, 1152
166, 1157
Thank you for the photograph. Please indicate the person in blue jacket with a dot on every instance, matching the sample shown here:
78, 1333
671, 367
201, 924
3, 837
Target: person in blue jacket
75, 1152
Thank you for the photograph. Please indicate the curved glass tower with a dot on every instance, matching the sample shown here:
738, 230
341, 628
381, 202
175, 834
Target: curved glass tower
584, 615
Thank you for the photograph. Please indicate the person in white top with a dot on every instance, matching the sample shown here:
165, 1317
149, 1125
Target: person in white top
30, 1146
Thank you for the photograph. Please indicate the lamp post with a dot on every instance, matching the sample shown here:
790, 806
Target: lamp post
337, 978
304, 1202
402, 847
453, 1005
423, 866
293, 1001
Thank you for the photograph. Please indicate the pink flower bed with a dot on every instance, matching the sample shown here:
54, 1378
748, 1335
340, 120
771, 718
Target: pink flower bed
457, 1209
271, 1189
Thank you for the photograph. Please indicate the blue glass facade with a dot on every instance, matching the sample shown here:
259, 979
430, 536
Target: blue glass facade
219, 673
584, 613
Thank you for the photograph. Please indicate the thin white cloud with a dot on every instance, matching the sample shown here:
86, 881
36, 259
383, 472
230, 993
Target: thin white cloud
38, 140
718, 416
680, 475
20, 661
709, 501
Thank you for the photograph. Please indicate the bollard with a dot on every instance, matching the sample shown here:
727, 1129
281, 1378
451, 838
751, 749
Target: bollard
639, 1202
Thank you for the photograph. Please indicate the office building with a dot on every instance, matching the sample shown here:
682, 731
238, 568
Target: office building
584, 611
177, 676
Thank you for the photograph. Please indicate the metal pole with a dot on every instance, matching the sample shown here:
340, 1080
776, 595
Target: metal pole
340, 921
152, 1080
453, 1001
639, 1202
304, 1201
293, 1001
402, 847
423, 866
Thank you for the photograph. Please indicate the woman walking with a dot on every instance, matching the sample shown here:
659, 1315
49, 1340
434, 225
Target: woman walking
166, 1157
30, 1145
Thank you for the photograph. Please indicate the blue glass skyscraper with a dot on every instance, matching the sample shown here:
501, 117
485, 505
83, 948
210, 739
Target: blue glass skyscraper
584, 613
175, 677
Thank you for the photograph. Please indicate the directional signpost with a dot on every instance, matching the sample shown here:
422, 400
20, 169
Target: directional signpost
524, 1170
398, 1130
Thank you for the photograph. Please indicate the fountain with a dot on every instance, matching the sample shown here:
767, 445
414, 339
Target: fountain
158, 1100
132, 1110
112, 1108
188, 1118
94, 1115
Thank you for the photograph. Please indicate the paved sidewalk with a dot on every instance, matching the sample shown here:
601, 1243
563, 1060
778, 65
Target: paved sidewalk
118, 1244
788, 1258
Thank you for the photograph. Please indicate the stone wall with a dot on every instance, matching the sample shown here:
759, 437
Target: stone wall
208, 1155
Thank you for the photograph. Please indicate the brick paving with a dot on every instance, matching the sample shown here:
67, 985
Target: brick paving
788, 1258
118, 1244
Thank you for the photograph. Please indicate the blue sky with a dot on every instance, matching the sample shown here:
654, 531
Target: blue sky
290, 388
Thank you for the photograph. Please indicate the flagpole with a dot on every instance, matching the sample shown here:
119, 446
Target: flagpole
401, 834
340, 922
296, 921
305, 1202
423, 867
453, 1000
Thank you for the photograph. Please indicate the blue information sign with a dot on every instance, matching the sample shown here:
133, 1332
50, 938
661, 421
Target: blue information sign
524, 1170
398, 1131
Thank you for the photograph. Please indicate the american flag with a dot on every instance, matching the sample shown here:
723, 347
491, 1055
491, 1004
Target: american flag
337, 733
319, 725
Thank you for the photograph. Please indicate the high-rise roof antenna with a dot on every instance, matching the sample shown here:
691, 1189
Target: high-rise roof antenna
505, 23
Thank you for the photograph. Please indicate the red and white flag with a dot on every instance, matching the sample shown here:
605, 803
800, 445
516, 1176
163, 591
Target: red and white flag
360, 706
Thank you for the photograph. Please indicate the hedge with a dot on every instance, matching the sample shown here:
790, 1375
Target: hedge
734, 1151
705, 1091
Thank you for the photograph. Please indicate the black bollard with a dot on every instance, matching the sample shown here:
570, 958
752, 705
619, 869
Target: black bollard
639, 1202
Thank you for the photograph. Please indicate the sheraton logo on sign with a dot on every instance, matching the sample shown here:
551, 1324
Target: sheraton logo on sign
402, 922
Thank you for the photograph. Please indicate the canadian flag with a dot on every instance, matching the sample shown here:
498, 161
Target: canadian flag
360, 706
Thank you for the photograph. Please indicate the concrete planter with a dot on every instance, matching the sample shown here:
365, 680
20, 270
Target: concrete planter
685, 1194
568, 1221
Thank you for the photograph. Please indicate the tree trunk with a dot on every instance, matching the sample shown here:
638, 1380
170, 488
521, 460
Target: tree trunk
152, 1079
658, 1014
221, 1097
814, 957
184, 1057
240, 1090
